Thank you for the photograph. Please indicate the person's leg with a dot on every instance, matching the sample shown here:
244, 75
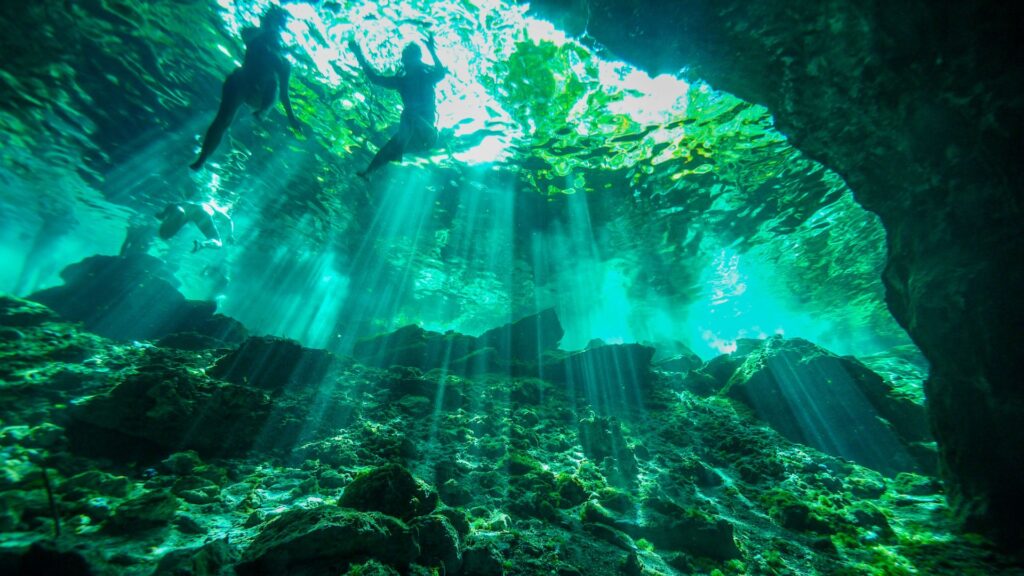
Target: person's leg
267, 96
390, 152
232, 97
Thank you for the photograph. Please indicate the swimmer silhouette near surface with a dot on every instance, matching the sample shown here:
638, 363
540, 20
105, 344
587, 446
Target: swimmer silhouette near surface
175, 216
416, 85
259, 82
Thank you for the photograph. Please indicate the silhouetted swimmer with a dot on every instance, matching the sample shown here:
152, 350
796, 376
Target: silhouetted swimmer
258, 83
415, 84
175, 216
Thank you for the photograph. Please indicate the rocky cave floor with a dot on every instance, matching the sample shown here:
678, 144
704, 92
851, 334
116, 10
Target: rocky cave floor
156, 467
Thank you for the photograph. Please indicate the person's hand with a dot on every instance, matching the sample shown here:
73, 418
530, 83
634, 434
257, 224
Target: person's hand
428, 39
354, 46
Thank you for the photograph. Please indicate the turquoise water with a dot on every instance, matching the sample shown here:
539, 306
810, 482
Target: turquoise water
642, 209
610, 324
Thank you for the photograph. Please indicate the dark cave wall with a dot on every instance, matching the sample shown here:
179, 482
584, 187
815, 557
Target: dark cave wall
918, 106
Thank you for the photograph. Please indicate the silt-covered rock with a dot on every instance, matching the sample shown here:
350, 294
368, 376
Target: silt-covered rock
326, 541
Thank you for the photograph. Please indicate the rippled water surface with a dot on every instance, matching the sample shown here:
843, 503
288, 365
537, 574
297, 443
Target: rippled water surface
643, 209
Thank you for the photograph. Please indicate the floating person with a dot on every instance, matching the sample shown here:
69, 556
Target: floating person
416, 84
261, 79
204, 216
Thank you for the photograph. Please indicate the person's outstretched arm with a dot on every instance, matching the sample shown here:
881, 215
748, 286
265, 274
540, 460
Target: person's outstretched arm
284, 72
385, 81
439, 70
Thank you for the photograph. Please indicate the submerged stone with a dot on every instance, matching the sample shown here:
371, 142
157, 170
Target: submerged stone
165, 405
212, 559
525, 340
273, 364
325, 541
671, 526
151, 510
46, 558
518, 346
829, 402
18, 313
133, 298
389, 489
371, 568
482, 558
439, 542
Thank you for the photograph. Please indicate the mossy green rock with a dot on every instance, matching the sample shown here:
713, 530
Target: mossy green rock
325, 541
96, 481
439, 543
833, 403
212, 559
668, 525
390, 489
371, 568
151, 510
482, 559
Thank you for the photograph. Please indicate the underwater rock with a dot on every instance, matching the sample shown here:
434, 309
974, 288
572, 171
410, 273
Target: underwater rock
610, 535
166, 405
133, 298
18, 313
482, 558
150, 510
682, 360
274, 363
46, 558
182, 463
95, 481
42, 337
632, 566
526, 339
832, 403
609, 377
602, 440
326, 540
439, 543
389, 489
413, 347
212, 559
673, 527
518, 346
832, 74
371, 568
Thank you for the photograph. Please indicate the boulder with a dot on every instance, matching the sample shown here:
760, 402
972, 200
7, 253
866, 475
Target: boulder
274, 363
18, 313
389, 489
517, 347
439, 543
326, 541
482, 558
166, 406
211, 559
413, 347
46, 557
526, 339
832, 403
609, 378
672, 527
832, 74
133, 297
150, 510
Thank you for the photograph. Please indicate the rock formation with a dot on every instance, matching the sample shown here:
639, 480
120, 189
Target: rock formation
919, 106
